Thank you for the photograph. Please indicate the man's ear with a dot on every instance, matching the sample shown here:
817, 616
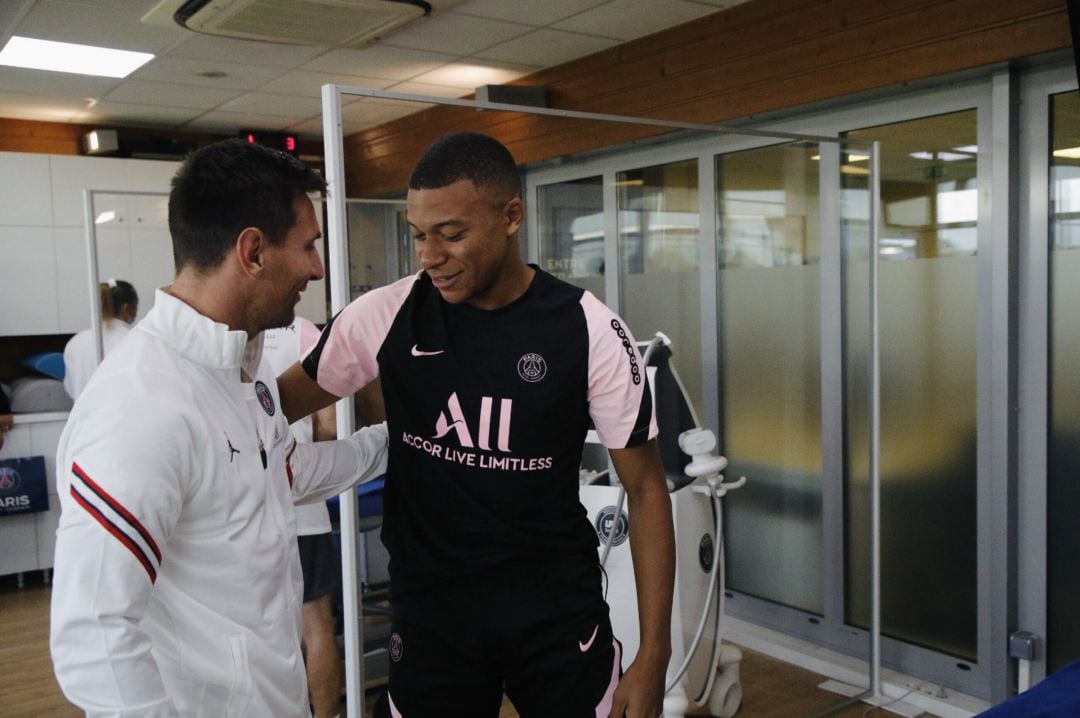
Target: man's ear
515, 215
250, 251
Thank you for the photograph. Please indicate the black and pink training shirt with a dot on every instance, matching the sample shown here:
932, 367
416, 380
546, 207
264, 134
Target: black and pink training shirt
487, 414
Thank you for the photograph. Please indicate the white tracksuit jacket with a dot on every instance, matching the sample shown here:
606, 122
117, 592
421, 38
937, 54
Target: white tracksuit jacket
177, 584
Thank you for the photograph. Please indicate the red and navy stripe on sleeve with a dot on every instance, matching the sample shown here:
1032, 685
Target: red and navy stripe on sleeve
116, 519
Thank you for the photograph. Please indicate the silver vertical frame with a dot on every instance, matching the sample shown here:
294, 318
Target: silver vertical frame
996, 369
874, 418
337, 229
1033, 338
709, 283
832, 380
92, 264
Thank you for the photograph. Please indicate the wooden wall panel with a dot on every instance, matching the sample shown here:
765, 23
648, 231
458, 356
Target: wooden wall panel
50, 138
758, 57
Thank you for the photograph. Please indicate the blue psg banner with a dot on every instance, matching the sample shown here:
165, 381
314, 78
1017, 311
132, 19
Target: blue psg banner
23, 489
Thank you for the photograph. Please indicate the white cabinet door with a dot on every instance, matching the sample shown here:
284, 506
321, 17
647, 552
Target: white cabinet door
152, 264
28, 278
71, 175
18, 536
72, 273
149, 176
25, 190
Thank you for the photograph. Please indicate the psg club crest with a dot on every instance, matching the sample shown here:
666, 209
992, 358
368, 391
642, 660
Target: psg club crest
532, 368
265, 397
23, 486
396, 647
9, 480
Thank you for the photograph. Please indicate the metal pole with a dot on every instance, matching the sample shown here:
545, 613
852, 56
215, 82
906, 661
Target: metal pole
875, 422
339, 296
95, 280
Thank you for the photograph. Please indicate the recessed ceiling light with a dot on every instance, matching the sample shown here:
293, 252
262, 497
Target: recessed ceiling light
68, 57
1070, 153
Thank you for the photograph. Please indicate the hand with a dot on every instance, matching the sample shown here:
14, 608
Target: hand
6, 422
640, 693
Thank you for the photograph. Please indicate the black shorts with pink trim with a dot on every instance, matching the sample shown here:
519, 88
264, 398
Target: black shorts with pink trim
538, 631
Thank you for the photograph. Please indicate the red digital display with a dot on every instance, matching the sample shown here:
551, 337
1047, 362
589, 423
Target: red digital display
278, 140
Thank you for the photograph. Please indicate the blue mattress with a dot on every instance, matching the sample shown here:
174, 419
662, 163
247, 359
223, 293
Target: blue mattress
1057, 696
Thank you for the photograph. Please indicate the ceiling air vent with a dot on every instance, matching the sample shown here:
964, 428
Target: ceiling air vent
325, 23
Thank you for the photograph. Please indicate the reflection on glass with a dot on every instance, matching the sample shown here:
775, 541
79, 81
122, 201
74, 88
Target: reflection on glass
770, 383
571, 231
1063, 446
377, 231
658, 261
927, 310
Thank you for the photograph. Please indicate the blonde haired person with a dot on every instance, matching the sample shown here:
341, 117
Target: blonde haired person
119, 307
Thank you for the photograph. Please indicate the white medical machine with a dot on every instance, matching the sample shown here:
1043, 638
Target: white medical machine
703, 674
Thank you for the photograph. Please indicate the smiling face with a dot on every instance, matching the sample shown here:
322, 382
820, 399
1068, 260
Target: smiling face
466, 240
289, 267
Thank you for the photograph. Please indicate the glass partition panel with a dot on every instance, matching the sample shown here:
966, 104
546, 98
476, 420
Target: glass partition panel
571, 232
770, 359
658, 258
927, 330
1063, 445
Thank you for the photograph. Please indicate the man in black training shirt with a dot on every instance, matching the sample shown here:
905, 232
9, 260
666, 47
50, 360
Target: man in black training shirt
491, 370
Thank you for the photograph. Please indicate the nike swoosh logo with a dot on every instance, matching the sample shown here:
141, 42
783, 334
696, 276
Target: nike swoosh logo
416, 352
586, 645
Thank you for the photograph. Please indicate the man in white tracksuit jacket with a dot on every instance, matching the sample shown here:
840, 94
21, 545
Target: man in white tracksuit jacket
177, 580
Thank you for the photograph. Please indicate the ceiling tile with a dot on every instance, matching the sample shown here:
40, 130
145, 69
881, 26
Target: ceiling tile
116, 25
309, 84
236, 121
455, 34
134, 114
546, 48
471, 75
530, 13
168, 94
621, 19
19, 106
186, 72
391, 63
60, 84
260, 103
250, 52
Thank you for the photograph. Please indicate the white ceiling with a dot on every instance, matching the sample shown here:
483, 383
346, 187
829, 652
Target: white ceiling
461, 45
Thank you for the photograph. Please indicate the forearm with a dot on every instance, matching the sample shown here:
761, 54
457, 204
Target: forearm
101, 656
326, 468
652, 544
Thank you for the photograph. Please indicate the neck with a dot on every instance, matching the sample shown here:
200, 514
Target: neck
212, 295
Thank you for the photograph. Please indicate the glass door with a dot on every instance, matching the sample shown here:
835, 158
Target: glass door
1049, 340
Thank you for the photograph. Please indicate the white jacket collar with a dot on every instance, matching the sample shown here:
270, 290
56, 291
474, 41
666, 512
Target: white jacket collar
199, 337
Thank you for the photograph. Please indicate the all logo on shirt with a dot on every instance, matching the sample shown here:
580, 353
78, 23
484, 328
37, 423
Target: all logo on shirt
483, 445
265, 397
456, 423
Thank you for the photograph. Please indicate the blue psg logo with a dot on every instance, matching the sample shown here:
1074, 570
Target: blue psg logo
265, 397
9, 479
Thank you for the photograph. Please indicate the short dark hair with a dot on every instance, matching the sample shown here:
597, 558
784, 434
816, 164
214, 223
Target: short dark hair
229, 185
473, 156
